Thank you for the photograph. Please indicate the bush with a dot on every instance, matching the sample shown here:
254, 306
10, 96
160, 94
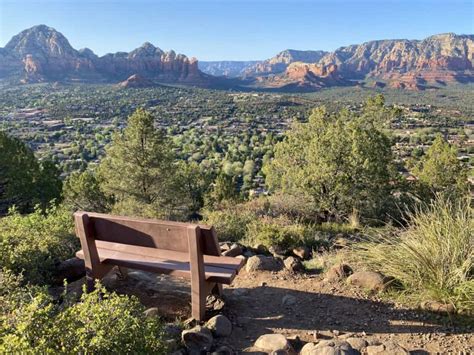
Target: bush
281, 232
33, 244
100, 323
230, 223
433, 257
105, 322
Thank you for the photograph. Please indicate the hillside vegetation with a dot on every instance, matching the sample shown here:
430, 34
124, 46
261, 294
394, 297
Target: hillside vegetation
333, 174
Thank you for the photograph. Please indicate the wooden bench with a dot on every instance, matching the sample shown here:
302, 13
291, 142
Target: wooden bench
179, 249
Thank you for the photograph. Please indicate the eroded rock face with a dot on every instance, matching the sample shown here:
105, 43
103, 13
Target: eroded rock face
136, 81
403, 64
41, 53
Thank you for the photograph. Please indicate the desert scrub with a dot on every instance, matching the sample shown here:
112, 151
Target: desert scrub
281, 232
433, 257
101, 322
230, 223
33, 244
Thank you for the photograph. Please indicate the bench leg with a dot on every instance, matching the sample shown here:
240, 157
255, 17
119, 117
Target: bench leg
92, 275
198, 301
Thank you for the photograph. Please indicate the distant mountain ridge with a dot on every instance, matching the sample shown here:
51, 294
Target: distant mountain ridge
227, 68
42, 54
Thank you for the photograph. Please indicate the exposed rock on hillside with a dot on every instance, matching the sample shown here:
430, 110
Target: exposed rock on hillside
136, 81
280, 62
41, 53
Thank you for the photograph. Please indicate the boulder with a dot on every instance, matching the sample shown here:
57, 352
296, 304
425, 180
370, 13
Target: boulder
338, 272
303, 252
273, 342
328, 347
151, 312
219, 325
357, 343
388, 348
277, 251
293, 264
260, 249
438, 307
260, 262
71, 270
369, 280
197, 339
235, 249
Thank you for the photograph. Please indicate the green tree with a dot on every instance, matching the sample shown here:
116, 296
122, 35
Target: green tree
25, 182
194, 182
342, 160
82, 191
440, 171
138, 169
225, 189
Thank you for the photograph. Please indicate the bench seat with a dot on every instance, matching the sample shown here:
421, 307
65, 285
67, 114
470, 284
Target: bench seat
218, 269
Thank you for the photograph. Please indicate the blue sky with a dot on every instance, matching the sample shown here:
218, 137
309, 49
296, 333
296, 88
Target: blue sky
237, 30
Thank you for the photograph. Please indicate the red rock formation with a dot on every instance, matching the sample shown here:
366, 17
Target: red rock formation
43, 54
136, 81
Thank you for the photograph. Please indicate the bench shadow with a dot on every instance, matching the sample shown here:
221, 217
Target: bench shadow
259, 310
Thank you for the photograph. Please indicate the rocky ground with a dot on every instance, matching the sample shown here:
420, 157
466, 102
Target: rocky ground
306, 313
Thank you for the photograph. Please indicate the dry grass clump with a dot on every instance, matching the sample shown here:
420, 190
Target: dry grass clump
433, 257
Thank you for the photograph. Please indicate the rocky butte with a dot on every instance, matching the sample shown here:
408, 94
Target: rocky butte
41, 54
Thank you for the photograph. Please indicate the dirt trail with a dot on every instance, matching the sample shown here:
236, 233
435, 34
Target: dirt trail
304, 308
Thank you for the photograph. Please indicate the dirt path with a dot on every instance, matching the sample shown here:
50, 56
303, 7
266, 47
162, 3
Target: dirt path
304, 308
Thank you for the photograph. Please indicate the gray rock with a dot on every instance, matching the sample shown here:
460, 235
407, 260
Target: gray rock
357, 343
197, 339
288, 300
277, 251
260, 249
272, 342
302, 252
214, 303
248, 253
224, 246
388, 348
235, 249
438, 307
369, 280
71, 270
260, 262
173, 330
338, 272
220, 326
293, 264
328, 347
151, 312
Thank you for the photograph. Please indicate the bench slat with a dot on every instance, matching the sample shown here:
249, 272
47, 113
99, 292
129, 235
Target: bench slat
224, 262
165, 266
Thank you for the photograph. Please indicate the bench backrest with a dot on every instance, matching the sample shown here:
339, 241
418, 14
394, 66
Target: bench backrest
150, 233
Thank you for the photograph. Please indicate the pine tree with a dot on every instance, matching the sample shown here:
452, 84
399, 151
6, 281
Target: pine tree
440, 171
342, 160
138, 169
